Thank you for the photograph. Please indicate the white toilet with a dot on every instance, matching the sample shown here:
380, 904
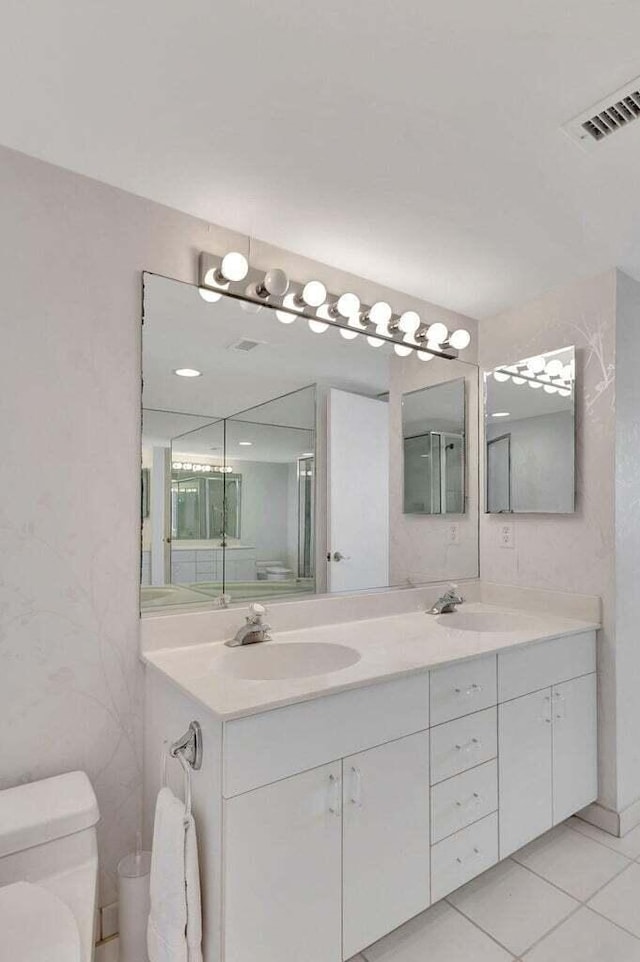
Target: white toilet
48, 870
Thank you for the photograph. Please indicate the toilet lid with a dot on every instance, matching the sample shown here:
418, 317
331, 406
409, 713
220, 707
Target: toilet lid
36, 925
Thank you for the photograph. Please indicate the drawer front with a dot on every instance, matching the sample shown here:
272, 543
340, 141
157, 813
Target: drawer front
545, 663
461, 689
463, 744
264, 748
464, 855
463, 799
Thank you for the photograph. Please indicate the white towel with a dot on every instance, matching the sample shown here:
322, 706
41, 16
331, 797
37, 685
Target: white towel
174, 931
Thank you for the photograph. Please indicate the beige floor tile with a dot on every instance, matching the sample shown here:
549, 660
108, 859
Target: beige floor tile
586, 937
438, 935
620, 900
571, 861
513, 905
629, 845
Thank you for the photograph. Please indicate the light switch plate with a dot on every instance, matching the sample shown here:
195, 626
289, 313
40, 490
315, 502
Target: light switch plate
453, 533
507, 536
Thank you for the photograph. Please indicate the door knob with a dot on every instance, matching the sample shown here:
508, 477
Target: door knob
338, 556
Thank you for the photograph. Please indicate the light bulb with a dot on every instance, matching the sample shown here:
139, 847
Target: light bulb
460, 339
567, 372
402, 350
438, 332
348, 333
501, 376
380, 313
348, 304
564, 392
210, 296
234, 266
535, 384
409, 322
274, 282
554, 367
374, 341
291, 302
518, 380
314, 293
550, 389
318, 327
285, 317
536, 364
187, 372
424, 356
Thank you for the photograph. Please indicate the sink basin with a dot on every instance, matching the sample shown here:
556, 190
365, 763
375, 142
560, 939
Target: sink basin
485, 621
268, 661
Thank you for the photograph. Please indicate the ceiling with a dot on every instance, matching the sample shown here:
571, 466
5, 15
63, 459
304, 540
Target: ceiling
419, 144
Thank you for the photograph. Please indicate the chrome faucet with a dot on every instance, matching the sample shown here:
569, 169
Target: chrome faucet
254, 629
447, 602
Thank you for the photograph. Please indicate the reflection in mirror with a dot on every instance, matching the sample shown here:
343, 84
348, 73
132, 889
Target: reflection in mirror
271, 470
530, 435
433, 430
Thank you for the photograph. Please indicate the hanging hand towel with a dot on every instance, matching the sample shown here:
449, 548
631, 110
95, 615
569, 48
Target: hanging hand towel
174, 932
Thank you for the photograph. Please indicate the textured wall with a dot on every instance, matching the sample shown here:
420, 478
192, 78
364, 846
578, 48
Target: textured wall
70, 686
571, 552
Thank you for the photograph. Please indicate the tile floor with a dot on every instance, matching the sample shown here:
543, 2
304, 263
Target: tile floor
571, 896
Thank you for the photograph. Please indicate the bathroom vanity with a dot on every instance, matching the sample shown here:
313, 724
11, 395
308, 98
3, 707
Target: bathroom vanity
341, 793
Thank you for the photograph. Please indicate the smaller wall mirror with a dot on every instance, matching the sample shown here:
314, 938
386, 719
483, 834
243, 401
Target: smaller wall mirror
530, 435
433, 431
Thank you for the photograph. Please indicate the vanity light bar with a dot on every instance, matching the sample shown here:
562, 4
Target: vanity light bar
201, 468
322, 310
538, 372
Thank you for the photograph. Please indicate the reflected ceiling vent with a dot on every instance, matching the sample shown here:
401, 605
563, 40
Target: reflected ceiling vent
613, 113
244, 345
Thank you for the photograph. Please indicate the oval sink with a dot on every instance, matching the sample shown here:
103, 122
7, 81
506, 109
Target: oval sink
485, 621
268, 661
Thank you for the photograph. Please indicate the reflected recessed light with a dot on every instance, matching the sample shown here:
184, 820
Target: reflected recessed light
307, 454
501, 414
245, 444
187, 372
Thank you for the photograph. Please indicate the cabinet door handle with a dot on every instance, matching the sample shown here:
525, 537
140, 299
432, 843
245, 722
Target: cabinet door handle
335, 806
356, 791
471, 690
476, 797
561, 706
548, 710
475, 743
476, 852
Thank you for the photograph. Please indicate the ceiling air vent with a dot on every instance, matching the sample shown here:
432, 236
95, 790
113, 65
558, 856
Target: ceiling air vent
245, 345
605, 118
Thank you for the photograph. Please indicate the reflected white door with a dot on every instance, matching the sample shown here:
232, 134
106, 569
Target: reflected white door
499, 475
358, 492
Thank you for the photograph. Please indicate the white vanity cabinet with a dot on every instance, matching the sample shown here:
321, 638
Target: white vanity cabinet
324, 824
547, 738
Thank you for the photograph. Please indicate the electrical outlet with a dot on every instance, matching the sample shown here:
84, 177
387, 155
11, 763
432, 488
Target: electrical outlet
507, 536
453, 532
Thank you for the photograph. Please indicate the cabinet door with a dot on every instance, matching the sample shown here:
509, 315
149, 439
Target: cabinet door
385, 839
575, 769
525, 767
282, 871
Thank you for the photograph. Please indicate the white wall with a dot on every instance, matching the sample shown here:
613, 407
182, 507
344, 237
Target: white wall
264, 512
569, 552
627, 540
73, 252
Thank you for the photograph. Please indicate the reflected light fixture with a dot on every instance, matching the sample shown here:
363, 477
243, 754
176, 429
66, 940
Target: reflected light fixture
501, 414
209, 296
245, 444
187, 372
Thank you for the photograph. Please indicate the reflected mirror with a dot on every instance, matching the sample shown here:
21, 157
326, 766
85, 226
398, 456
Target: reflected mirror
272, 457
530, 435
433, 429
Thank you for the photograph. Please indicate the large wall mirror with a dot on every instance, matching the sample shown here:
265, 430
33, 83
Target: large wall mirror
272, 457
530, 435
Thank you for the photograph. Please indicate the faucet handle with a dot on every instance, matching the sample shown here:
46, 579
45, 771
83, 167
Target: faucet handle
256, 612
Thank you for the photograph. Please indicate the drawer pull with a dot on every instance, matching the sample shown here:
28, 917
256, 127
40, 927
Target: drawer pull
474, 854
476, 797
561, 711
467, 692
334, 796
472, 745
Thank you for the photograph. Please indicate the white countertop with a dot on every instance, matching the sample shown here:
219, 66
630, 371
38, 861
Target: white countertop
389, 647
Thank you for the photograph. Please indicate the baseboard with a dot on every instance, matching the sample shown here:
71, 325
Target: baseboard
615, 823
107, 950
